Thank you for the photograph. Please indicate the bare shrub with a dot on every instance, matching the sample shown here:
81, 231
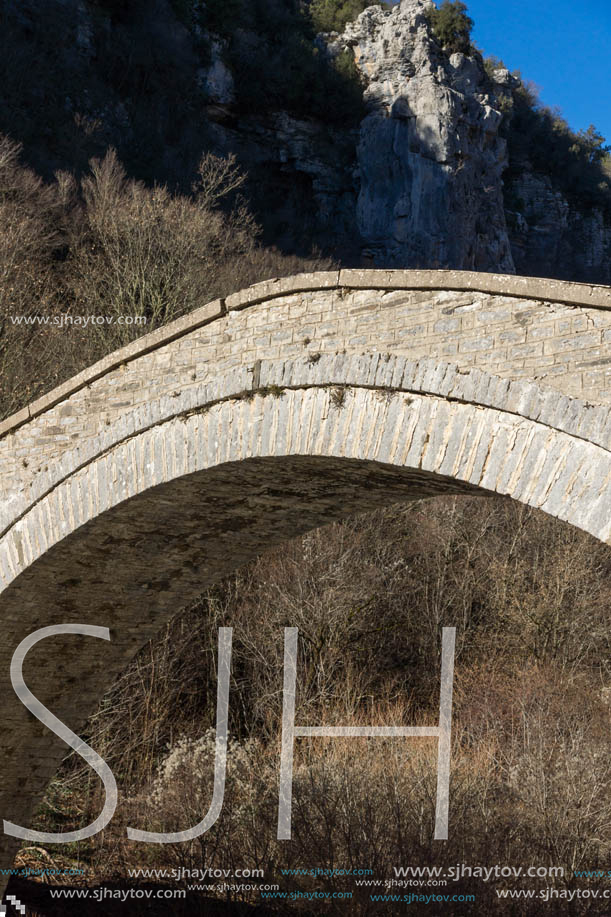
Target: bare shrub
547, 734
180, 794
548, 590
529, 777
30, 233
535, 793
132, 256
369, 596
358, 802
143, 252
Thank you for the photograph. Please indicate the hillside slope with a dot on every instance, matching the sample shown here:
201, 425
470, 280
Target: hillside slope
379, 145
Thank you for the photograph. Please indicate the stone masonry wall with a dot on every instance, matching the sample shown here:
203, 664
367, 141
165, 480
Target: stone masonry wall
558, 334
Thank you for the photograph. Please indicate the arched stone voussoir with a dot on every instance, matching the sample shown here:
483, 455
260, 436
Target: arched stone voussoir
389, 372
480, 447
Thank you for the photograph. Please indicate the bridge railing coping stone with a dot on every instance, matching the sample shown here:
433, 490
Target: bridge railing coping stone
578, 294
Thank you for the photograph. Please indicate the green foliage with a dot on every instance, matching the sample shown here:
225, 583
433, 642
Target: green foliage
117, 9
577, 162
333, 15
276, 64
346, 66
298, 79
591, 145
452, 26
539, 139
183, 10
492, 63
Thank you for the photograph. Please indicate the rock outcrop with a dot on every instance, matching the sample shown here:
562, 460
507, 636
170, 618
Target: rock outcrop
549, 237
429, 154
302, 182
419, 183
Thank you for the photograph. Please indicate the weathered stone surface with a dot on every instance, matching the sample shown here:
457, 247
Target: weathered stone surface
531, 288
548, 235
216, 81
429, 155
419, 183
302, 176
184, 516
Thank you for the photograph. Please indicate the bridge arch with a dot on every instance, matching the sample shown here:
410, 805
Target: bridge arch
126, 527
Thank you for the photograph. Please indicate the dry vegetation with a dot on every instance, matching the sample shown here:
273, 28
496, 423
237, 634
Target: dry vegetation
530, 778
111, 246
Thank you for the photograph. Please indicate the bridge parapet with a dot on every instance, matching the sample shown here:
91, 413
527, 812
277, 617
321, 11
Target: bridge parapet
518, 328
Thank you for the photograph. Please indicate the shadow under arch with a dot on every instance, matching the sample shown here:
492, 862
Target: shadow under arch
126, 537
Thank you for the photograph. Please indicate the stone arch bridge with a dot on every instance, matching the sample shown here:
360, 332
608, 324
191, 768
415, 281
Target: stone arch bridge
163, 467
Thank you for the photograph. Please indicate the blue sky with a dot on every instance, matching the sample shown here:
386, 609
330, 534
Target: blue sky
562, 46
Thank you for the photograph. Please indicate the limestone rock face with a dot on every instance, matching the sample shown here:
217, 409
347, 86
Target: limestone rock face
429, 157
216, 81
302, 177
551, 238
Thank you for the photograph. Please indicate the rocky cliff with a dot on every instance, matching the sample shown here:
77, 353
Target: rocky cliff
429, 155
421, 181
550, 237
418, 181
